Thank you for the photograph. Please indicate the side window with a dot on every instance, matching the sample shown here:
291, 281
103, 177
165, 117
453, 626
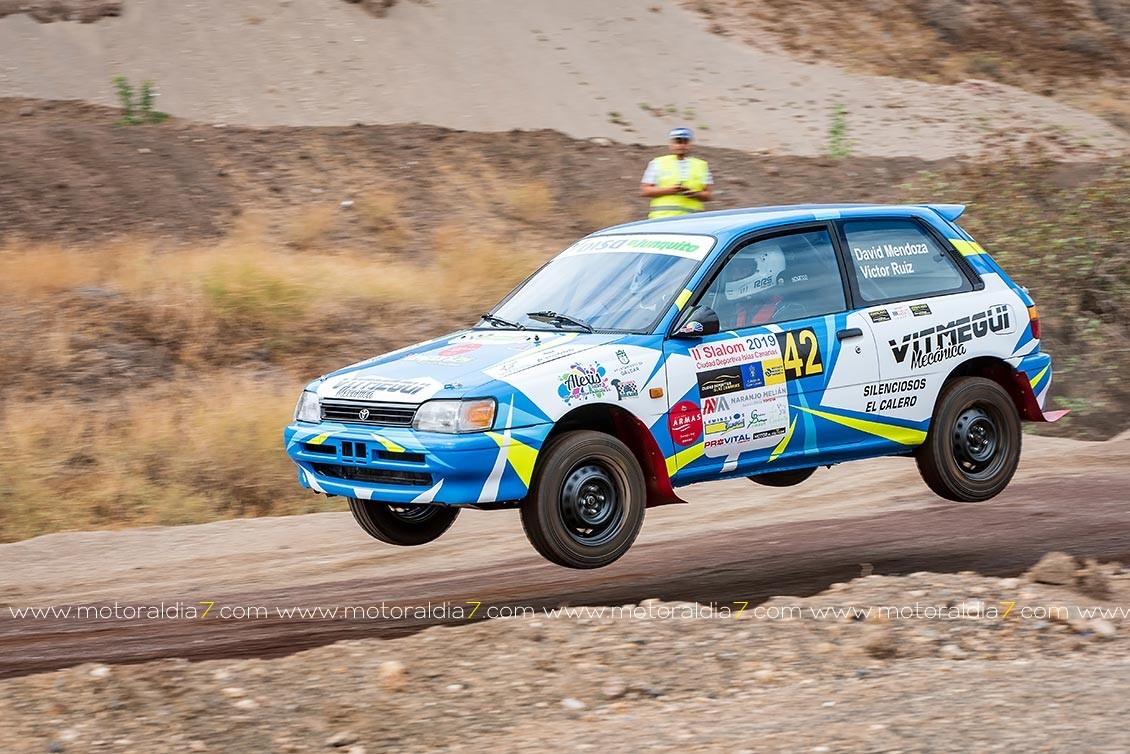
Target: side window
897, 259
777, 279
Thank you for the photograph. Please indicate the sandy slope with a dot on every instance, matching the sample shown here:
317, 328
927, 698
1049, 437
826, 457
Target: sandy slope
496, 65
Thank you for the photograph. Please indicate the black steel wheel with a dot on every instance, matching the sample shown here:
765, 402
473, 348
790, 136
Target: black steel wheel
407, 525
783, 478
973, 446
586, 504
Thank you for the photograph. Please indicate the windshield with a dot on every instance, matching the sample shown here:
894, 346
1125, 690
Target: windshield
617, 283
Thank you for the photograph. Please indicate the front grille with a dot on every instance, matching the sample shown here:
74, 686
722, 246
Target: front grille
369, 413
375, 476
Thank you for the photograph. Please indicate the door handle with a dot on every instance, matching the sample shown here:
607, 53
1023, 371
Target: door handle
853, 332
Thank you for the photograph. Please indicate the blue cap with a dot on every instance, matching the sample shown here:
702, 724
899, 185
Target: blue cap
681, 133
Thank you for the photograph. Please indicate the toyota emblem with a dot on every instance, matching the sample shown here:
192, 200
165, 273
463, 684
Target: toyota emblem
363, 414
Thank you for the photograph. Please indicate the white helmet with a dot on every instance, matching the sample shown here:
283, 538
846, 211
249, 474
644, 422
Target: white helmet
755, 273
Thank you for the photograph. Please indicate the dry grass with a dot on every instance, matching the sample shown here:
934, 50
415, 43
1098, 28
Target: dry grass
249, 280
380, 214
312, 227
181, 452
606, 213
530, 203
121, 404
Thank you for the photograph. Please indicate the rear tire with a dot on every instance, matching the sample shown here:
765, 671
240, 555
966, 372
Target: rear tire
783, 478
405, 525
973, 446
587, 501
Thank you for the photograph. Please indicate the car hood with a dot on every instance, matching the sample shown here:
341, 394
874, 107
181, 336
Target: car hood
454, 365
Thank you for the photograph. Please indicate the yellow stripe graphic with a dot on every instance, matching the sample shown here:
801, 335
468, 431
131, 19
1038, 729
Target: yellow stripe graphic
1040, 376
319, 439
683, 457
390, 446
901, 435
683, 298
519, 455
784, 443
967, 248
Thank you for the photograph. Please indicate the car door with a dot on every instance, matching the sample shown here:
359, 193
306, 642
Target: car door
750, 397
923, 310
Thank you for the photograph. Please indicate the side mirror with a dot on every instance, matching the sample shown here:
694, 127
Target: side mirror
698, 322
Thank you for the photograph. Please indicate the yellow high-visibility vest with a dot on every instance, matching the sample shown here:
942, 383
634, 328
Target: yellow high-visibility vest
670, 175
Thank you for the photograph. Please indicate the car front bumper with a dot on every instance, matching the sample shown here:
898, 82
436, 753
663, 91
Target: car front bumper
403, 466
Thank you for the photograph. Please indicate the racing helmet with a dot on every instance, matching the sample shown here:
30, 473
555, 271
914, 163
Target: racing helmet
755, 273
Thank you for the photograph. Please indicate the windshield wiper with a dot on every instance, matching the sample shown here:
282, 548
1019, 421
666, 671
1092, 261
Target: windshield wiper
499, 321
554, 318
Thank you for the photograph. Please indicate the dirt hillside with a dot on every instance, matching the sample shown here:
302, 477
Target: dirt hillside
1076, 51
585, 68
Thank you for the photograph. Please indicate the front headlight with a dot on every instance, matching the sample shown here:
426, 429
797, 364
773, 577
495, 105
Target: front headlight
309, 408
455, 416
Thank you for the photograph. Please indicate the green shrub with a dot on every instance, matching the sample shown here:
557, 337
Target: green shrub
137, 110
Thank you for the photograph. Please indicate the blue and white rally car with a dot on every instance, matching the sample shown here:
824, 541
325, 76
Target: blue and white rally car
759, 343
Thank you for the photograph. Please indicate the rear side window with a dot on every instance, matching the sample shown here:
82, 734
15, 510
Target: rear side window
897, 259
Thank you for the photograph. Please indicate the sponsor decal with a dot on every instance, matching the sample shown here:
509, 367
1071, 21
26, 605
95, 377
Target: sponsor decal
920, 310
900, 312
715, 405
725, 424
625, 389
627, 364
719, 381
947, 341
735, 351
437, 359
878, 389
685, 423
692, 247
367, 388
536, 356
459, 348
729, 440
582, 382
800, 354
758, 419
880, 315
753, 375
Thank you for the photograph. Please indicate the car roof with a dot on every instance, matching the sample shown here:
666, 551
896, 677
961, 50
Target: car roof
733, 221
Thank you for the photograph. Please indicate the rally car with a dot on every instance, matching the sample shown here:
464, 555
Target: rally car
756, 343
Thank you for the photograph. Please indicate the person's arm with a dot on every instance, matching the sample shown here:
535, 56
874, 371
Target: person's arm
651, 190
706, 195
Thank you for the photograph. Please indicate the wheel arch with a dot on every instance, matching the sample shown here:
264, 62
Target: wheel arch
629, 429
1014, 382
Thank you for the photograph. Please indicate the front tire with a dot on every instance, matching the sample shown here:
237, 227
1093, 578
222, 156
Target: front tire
973, 446
587, 502
405, 525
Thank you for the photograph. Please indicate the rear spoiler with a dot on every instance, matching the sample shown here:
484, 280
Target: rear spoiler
949, 211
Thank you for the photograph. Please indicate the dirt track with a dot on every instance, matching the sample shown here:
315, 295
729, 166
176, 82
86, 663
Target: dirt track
1069, 496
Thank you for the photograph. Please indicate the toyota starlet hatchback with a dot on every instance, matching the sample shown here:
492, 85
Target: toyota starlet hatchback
757, 343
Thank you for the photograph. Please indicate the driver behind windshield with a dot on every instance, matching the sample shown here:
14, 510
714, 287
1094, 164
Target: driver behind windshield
752, 285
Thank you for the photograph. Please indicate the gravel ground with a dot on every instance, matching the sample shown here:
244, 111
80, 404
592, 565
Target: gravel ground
675, 681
